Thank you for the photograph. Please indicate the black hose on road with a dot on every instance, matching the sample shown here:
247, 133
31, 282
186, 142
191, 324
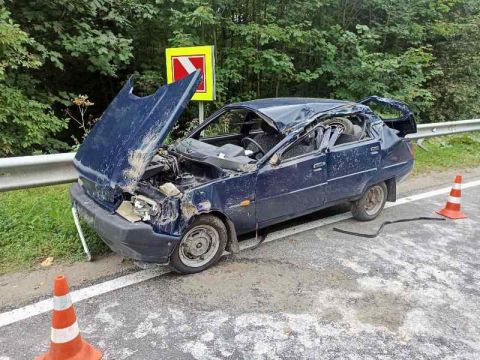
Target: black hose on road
371, 236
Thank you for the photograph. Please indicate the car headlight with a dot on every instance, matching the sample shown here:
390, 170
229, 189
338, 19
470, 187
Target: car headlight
144, 207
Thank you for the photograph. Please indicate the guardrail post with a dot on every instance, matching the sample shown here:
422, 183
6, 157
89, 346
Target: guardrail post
420, 144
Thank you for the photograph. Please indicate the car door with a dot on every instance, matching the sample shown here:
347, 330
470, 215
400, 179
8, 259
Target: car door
349, 167
291, 188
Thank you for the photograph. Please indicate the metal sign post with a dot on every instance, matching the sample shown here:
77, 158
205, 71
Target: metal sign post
201, 112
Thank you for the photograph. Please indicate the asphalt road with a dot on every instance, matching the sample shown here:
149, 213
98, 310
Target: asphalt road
411, 293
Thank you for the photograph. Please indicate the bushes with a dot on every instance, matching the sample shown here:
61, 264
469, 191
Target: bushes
423, 52
26, 124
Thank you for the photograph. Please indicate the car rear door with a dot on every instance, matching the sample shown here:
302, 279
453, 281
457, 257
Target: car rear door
349, 167
291, 188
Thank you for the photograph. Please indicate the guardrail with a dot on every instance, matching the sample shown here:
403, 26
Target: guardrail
40, 170
445, 128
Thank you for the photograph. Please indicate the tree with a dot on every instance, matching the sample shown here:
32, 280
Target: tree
25, 123
424, 52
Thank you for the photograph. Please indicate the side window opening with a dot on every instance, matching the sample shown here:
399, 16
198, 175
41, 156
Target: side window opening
252, 124
228, 123
304, 144
242, 130
330, 132
264, 135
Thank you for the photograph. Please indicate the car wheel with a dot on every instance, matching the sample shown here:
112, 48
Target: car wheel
201, 246
371, 204
344, 124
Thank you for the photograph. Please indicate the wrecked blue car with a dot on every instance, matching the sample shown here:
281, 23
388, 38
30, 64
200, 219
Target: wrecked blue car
248, 166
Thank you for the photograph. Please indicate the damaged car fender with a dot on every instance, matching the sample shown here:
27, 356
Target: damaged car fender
248, 166
233, 201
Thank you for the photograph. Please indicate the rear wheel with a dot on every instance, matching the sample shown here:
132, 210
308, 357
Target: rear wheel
371, 204
201, 246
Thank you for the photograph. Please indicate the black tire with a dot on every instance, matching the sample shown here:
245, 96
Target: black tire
345, 124
365, 209
208, 226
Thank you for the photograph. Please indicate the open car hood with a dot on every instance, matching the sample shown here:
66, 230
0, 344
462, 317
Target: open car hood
117, 150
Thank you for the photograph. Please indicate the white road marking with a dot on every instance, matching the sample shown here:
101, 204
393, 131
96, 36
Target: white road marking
43, 306
443, 191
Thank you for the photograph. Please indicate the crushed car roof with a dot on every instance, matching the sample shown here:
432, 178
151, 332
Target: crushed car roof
289, 112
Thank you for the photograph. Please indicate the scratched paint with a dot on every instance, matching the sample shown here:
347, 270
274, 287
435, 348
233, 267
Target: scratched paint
124, 155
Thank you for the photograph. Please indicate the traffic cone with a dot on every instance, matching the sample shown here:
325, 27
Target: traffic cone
66, 341
452, 207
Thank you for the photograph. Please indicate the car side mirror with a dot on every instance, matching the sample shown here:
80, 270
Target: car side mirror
275, 160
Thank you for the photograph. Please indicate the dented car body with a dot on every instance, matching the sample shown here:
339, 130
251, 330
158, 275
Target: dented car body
248, 166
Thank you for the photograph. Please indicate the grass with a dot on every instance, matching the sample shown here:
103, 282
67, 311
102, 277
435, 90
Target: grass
448, 152
37, 223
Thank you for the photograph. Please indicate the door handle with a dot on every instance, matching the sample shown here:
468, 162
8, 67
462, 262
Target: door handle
374, 149
319, 165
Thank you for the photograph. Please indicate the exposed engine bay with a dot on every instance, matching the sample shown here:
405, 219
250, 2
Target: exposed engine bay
166, 179
169, 167
191, 162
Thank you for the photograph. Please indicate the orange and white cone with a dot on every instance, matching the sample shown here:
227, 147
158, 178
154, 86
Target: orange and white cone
452, 207
66, 341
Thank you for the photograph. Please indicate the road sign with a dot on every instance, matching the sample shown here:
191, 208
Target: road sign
185, 60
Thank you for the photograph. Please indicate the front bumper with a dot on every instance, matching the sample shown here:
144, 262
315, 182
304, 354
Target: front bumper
137, 241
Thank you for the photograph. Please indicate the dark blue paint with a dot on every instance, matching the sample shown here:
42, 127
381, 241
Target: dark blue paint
350, 166
129, 124
282, 188
290, 189
288, 112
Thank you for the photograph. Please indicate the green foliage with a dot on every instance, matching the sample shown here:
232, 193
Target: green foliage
13, 46
424, 52
90, 32
103, 50
25, 124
